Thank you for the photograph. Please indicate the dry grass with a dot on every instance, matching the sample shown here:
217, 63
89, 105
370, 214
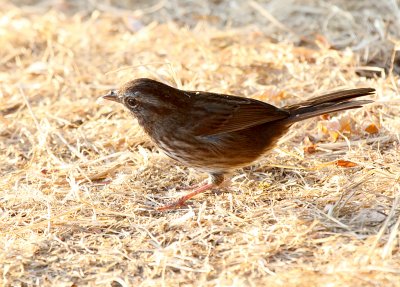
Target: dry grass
79, 178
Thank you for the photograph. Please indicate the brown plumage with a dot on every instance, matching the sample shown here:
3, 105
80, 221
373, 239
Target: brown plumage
216, 133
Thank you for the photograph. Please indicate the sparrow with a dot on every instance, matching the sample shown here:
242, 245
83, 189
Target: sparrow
218, 133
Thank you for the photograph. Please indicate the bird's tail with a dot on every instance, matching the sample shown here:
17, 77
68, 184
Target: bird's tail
328, 103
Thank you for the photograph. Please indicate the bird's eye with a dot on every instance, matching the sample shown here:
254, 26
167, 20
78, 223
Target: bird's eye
131, 102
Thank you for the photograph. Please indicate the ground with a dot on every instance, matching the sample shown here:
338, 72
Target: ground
79, 178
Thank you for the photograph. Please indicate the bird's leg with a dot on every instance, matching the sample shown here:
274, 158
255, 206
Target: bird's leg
193, 186
181, 201
214, 181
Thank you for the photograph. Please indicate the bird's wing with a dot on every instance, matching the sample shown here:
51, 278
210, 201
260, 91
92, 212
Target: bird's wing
215, 113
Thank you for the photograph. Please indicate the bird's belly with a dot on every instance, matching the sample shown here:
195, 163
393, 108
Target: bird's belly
222, 152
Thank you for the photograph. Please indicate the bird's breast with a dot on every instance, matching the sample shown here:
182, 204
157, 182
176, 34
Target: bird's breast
220, 152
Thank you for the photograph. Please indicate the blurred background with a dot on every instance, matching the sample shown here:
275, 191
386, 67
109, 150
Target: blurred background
369, 28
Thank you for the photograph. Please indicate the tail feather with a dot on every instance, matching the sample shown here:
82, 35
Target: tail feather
332, 102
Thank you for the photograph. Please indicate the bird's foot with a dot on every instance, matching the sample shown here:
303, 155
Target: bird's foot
181, 201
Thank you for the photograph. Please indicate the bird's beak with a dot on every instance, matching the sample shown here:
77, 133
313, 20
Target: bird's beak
112, 96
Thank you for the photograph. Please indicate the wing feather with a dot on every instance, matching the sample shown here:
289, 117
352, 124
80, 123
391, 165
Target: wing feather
223, 113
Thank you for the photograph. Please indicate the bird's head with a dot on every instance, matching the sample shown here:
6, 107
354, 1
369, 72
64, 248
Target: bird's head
145, 98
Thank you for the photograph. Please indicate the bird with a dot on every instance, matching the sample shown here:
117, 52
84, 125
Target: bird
218, 133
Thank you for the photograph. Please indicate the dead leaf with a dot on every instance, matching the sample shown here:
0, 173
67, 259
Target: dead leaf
334, 135
345, 124
322, 128
372, 129
325, 117
345, 163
